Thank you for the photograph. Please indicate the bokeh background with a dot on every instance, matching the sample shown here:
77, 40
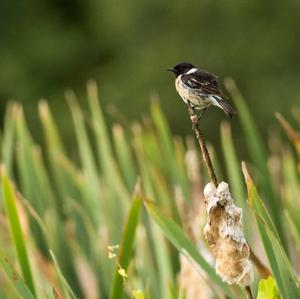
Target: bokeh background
48, 46
77, 192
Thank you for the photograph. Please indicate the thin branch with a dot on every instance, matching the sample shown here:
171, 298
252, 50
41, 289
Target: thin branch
261, 268
248, 292
201, 140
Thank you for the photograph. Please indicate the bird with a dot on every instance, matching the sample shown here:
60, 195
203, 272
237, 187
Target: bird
199, 88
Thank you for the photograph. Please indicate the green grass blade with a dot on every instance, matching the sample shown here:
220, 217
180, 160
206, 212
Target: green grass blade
292, 134
91, 190
124, 156
177, 237
278, 260
254, 140
235, 174
290, 284
99, 125
68, 292
267, 289
164, 136
16, 231
163, 259
294, 227
8, 139
167, 150
62, 168
37, 188
160, 249
258, 154
291, 182
29, 161
18, 284
126, 246
181, 167
56, 152
256, 202
88, 233
108, 163
233, 166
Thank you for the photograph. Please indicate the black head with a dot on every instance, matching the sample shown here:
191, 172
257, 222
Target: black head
181, 68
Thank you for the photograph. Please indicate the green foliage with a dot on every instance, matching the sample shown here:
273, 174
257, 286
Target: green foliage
137, 294
258, 155
66, 208
67, 290
20, 286
267, 289
184, 245
48, 45
279, 262
17, 235
126, 246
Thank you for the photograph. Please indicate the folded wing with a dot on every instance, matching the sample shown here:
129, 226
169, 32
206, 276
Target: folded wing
204, 82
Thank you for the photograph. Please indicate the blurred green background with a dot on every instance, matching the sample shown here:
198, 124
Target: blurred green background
48, 46
82, 196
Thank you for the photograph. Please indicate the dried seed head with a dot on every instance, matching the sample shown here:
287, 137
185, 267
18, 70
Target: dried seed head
225, 236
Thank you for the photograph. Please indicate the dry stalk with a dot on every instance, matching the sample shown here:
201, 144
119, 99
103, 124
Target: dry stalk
229, 247
248, 292
261, 268
201, 140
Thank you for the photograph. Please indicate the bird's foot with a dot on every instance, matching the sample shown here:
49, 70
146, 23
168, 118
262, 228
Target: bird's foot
195, 121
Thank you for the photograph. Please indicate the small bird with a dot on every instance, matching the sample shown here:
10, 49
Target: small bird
199, 89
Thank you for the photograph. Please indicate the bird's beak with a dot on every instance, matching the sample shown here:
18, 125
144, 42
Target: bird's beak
170, 70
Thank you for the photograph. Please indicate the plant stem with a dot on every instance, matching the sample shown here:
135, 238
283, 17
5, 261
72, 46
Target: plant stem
201, 140
263, 270
248, 292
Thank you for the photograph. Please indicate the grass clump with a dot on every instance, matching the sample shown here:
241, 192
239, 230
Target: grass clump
64, 209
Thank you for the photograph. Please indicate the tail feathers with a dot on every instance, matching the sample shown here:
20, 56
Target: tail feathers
226, 108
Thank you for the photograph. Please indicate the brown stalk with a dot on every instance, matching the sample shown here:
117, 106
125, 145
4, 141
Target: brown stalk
261, 268
201, 140
248, 292
206, 157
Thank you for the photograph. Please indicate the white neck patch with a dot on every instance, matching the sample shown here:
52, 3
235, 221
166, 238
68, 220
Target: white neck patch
193, 70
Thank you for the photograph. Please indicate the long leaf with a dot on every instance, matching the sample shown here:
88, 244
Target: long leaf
14, 278
124, 156
161, 252
91, 189
126, 247
177, 237
267, 289
56, 153
232, 165
235, 174
283, 273
16, 231
258, 154
292, 134
8, 139
108, 165
68, 292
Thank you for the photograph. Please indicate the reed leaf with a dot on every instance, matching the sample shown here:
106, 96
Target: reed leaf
16, 231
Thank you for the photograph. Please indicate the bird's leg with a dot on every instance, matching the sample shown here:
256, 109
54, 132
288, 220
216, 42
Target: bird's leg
196, 118
201, 113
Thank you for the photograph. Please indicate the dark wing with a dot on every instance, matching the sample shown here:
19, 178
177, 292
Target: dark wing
203, 81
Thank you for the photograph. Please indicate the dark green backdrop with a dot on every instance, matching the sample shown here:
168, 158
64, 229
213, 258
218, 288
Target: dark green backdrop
47, 46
